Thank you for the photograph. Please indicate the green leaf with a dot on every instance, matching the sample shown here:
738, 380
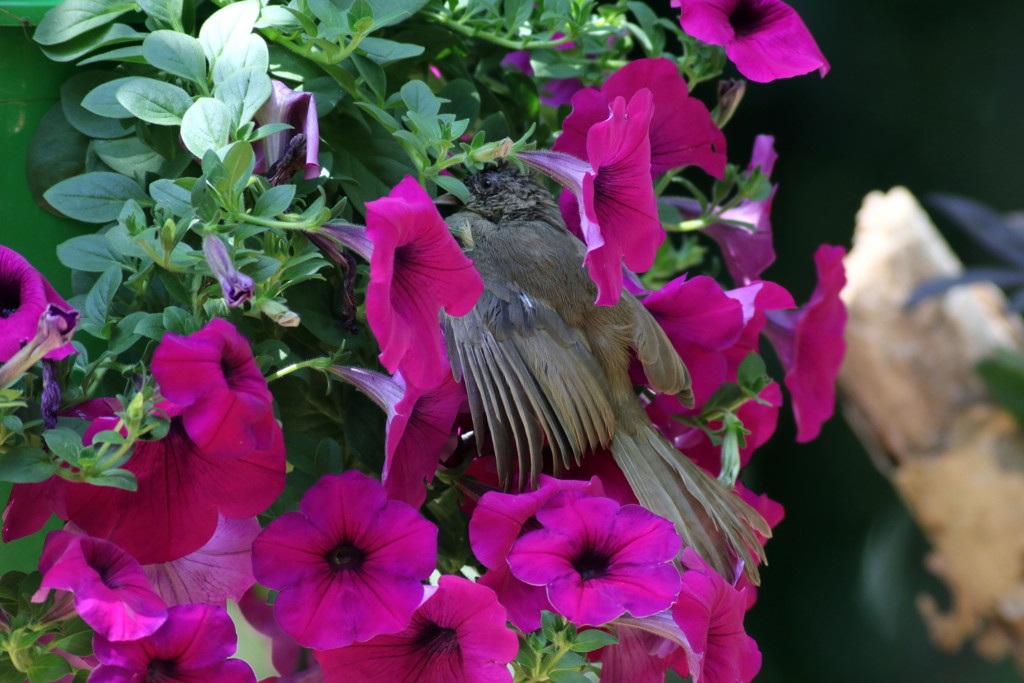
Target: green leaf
592, 639
166, 12
63, 442
234, 21
57, 152
418, 97
385, 51
1003, 375
130, 53
102, 99
752, 374
91, 40
72, 18
154, 101
97, 303
463, 99
516, 12
176, 53
372, 75
115, 478
391, 12
48, 667
174, 195
332, 16
179, 321
88, 253
243, 94
239, 161
72, 94
123, 336
564, 676
94, 197
246, 52
453, 185
274, 201
128, 156
26, 465
206, 125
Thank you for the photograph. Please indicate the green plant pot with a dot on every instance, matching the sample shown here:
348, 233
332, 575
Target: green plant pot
29, 88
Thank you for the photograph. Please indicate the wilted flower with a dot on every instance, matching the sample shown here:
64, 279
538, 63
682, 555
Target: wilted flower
611, 192
224, 400
349, 565
599, 559
457, 636
765, 39
416, 270
111, 592
53, 332
297, 109
236, 285
192, 645
418, 429
811, 346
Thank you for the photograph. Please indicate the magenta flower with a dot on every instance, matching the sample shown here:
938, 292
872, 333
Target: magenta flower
111, 592
457, 636
747, 254
638, 657
419, 428
681, 131
810, 344
702, 322
614, 198
220, 570
599, 559
24, 297
710, 613
192, 646
181, 490
349, 565
416, 270
30, 506
765, 39
236, 285
498, 520
211, 374
286, 655
298, 109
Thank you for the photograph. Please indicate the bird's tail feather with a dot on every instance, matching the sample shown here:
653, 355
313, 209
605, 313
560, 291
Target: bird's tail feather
717, 523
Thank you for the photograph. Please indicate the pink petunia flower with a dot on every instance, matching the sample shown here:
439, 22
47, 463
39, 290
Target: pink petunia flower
419, 428
25, 296
811, 346
349, 564
615, 212
416, 270
702, 322
220, 570
638, 657
192, 645
181, 490
765, 39
298, 109
111, 592
498, 520
457, 636
710, 613
599, 559
211, 374
681, 131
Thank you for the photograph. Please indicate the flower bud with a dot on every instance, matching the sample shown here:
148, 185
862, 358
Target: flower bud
237, 286
730, 93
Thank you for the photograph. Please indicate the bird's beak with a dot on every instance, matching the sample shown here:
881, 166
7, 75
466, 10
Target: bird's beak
447, 199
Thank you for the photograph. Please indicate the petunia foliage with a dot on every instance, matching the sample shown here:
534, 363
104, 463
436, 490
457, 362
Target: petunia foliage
245, 395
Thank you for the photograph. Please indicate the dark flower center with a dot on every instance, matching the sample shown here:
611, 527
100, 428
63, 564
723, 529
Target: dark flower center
437, 639
748, 17
161, 670
10, 298
590, 564
346, 556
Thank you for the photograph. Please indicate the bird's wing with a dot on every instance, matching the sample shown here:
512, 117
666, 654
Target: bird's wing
530, 379
665, 370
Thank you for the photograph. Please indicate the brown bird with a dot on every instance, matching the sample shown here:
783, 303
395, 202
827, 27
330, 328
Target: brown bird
543, 365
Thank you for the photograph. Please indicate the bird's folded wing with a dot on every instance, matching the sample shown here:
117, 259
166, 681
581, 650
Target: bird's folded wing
531, 380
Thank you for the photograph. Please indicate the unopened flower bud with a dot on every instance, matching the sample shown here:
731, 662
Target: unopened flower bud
493, 150
730, 93
237, 286
280, 313
56, 326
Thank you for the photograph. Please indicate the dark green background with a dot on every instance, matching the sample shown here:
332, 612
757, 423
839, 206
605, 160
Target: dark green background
923, 94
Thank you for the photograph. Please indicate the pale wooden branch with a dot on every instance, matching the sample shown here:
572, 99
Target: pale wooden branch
911, 393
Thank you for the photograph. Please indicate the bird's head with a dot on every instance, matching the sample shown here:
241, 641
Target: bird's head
501, 192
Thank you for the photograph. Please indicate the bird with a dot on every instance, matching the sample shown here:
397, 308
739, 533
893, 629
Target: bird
545, 369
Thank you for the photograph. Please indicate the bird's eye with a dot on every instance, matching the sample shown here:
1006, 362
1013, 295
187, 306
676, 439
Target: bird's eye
486, 182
